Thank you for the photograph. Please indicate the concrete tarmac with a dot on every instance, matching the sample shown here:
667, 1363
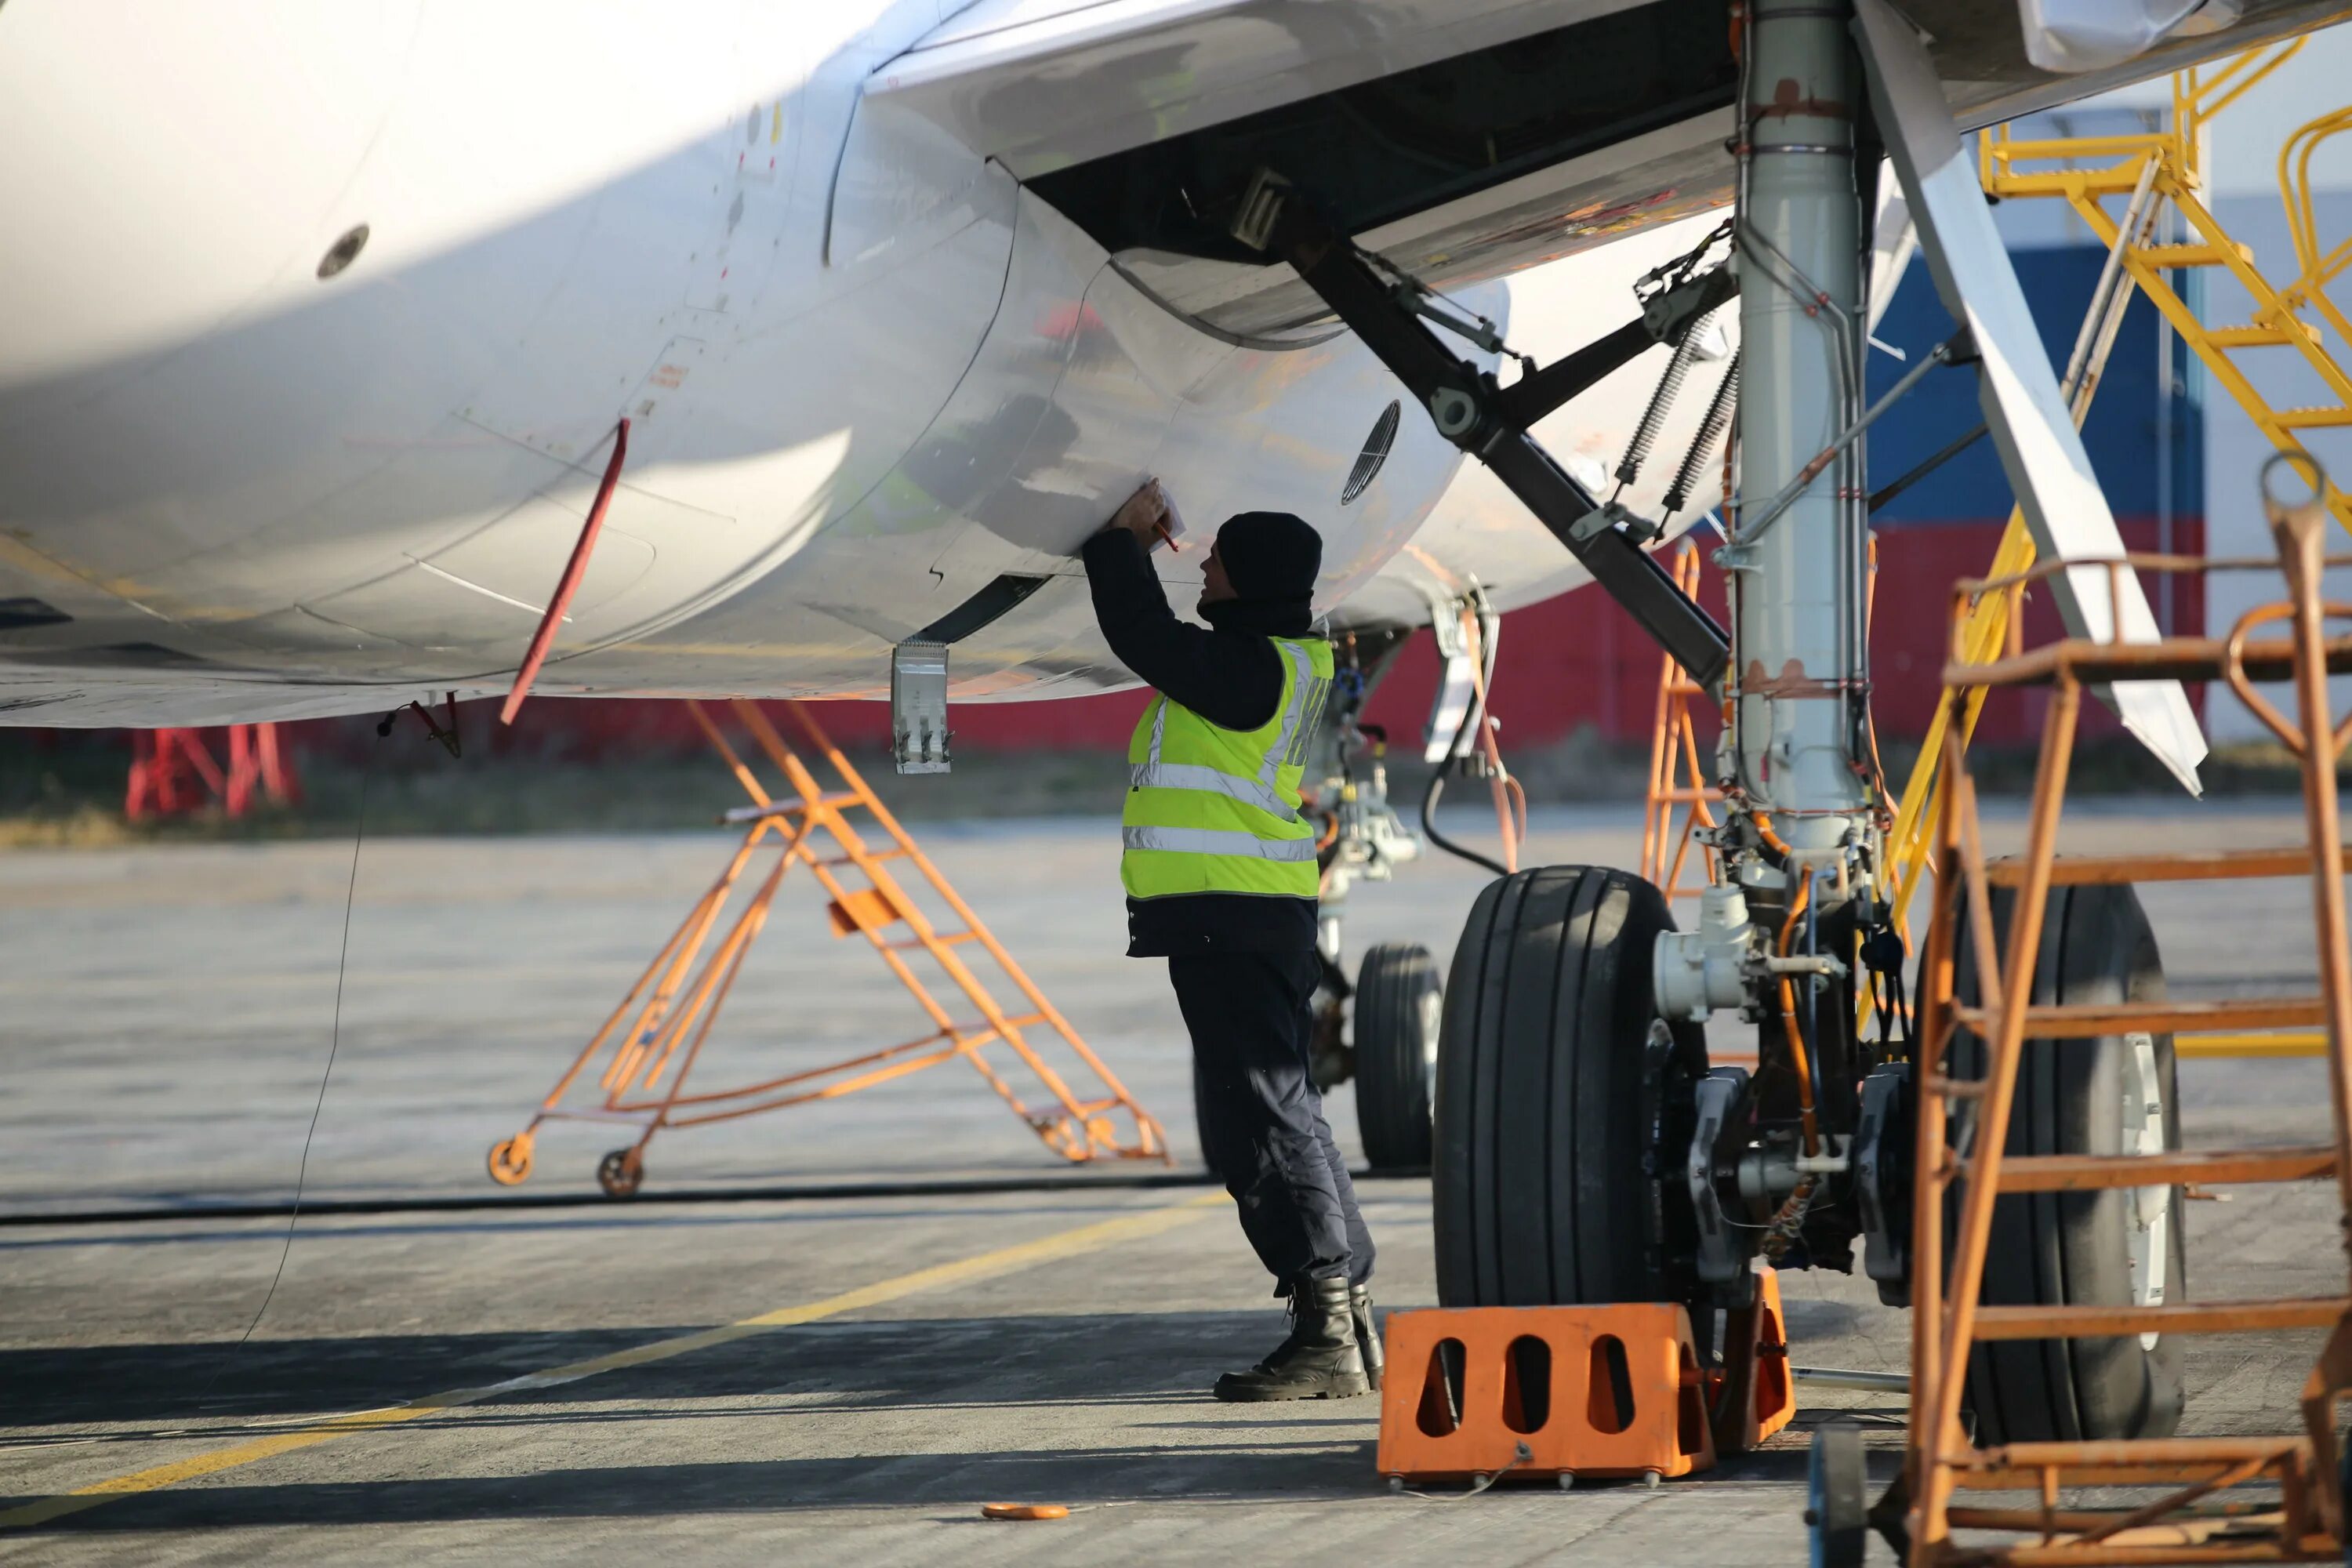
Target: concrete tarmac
794, 1379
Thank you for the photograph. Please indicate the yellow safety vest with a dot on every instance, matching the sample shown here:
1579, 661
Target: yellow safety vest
1210, 810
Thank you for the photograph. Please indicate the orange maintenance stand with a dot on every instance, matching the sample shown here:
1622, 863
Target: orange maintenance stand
651, 1041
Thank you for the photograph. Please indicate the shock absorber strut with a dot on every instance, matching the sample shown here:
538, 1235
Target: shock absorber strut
1798, 659
1800, 839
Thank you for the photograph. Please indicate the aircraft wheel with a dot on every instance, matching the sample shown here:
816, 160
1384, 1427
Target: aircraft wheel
1400, 1007
621, 1173
510, 1160
2113, 1095
1837, 1486
1544, 1080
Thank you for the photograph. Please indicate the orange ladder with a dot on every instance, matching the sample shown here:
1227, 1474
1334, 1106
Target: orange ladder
653, 1039
1677, 780
2186, 1519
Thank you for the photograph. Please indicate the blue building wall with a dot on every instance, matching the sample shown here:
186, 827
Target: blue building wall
2126, 435
2147, 448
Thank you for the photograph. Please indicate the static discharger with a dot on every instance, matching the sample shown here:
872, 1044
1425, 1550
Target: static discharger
543, 639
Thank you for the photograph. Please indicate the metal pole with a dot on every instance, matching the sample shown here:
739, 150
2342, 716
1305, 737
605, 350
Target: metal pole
2297, 532
1797, 657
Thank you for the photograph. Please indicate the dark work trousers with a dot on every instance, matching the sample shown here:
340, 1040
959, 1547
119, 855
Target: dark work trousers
1252, 1016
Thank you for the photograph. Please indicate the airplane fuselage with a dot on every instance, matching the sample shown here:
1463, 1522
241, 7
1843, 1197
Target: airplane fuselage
867, 372
317, 325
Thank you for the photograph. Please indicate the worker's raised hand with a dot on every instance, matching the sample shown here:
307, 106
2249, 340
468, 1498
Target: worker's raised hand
1144, 514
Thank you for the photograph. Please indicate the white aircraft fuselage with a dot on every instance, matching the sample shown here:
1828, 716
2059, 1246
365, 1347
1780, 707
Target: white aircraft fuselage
316, 322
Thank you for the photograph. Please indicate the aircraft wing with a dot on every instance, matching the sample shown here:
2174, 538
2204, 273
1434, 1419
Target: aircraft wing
1463, 139
1039, 85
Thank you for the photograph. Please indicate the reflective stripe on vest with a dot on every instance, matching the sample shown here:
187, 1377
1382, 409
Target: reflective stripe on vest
1185, 775
1209, 841
1215, 810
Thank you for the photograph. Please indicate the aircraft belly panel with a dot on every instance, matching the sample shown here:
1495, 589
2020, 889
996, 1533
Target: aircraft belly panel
430, 607
1085, 386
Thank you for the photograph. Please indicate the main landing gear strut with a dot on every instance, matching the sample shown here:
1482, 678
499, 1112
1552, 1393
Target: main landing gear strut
1585, 1151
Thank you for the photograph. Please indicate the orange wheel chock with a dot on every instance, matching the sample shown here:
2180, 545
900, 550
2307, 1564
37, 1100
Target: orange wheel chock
1752, 1395
1023, 1510
1590, 1391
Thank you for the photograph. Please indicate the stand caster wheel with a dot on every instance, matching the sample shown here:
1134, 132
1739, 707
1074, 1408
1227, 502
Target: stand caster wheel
510, 1160
1837, 1508
620, 1172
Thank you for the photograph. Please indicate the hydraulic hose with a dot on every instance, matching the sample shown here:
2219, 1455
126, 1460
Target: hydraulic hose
1437, 787
1471, 715
1801, 1058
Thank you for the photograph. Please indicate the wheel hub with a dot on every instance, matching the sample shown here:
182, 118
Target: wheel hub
2149, 1230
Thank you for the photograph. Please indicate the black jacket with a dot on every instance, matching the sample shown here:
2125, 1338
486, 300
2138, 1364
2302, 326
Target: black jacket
1231, 675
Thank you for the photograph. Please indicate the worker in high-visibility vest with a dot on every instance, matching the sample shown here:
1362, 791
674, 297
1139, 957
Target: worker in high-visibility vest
1221, 875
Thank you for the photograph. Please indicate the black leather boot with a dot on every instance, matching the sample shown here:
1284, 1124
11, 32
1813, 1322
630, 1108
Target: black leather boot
1368, 1333
1320, 1360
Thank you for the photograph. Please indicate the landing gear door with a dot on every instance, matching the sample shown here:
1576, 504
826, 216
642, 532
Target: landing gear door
2040, 449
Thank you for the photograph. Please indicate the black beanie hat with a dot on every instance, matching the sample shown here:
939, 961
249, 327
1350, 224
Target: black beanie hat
1270, 556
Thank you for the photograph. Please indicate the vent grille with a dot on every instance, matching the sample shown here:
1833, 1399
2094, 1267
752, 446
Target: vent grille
1375, 453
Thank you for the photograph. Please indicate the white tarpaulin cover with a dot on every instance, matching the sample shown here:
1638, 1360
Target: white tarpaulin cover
2070, 35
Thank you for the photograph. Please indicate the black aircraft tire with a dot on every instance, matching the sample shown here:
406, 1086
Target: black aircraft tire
1538, 1182
2074, 1249
1397, 1025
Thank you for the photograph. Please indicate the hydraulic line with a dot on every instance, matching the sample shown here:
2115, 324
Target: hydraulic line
1800, 1058
1481, 681
1791, 1216
1954, 350
1428, 807
1510, 825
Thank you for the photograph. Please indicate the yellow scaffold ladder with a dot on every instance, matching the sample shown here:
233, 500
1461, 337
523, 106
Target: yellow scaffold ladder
2171, 162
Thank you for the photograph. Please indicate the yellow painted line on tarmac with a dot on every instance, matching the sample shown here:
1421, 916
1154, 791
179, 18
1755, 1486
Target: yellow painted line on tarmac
963, 1271
2278, 1043
2284, 1043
